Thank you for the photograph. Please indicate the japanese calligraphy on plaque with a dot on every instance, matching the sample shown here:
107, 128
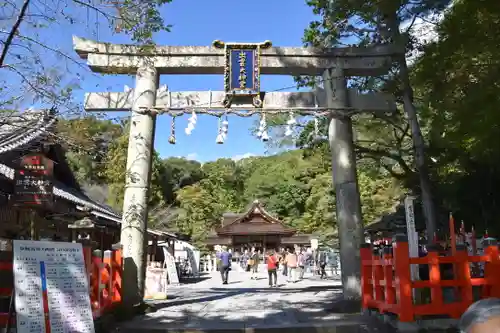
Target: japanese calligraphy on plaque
51, 288
242, 70
33, 180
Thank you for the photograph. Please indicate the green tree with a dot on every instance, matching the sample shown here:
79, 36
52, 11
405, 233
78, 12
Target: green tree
456, 81
86, 141
199, 213
115, 172
222, 181
34, 68
379, 21
178, 173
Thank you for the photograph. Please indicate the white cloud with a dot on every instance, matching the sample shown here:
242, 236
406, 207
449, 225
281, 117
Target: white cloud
192, 156
242, 156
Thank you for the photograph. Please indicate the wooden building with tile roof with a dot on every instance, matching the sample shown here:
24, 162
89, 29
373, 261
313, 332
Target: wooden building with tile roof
255, 228
71, 211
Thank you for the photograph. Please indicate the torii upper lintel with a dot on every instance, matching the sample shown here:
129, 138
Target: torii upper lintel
126, 59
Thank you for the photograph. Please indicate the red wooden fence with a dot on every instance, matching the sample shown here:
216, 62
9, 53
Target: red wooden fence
105, 283
387, 285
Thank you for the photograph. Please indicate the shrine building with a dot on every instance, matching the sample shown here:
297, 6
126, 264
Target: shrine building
255, 228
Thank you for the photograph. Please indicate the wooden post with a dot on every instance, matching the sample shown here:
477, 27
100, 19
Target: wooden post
403, 278
390, 294
378, 276
453, 236
491, 274
107, 280
117, 261
366, 275
264, 248
101, 233
464, 276
154, 248
33, 226
435, 276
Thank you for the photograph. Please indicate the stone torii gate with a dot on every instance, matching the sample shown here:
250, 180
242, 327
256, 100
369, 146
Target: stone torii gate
147, 100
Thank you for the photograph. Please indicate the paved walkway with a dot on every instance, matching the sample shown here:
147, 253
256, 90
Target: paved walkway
245, 303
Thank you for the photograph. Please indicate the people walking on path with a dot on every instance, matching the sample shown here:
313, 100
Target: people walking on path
254, 263
244, 261
291, 262
301, 263
272, 266
322, 264
224, 258
284, 253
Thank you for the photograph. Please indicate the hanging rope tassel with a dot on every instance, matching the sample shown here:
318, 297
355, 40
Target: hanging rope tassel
171, 139
225, 128
220, 138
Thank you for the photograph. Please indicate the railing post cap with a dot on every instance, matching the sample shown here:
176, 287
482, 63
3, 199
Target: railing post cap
399, 238
490, 241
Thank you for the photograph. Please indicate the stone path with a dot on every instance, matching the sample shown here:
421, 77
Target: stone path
245, 303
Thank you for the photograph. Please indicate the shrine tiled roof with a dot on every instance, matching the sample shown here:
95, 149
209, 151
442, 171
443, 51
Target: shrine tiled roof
255, 221
19, 130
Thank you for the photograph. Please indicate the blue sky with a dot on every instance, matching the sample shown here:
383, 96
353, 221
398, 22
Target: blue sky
197, 22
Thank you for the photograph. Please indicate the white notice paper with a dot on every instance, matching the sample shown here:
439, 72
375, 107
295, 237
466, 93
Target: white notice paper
51, 288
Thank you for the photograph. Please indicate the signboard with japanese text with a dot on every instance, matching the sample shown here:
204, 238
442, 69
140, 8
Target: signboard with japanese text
33, 181
412, 234
51, 288
156, 282
169, 264
242, 70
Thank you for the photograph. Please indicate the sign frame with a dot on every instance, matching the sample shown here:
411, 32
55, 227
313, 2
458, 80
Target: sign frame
242, 70
33, 181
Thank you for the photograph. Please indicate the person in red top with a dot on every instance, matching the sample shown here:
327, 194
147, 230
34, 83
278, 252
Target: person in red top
272, 265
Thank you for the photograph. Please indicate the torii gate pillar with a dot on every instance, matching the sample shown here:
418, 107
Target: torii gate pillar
349, 218
137, 179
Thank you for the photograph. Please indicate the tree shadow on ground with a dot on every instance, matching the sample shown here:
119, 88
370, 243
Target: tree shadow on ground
276, 311
214, 294
256, 320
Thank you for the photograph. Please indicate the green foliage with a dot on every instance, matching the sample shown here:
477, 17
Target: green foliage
178, 173
457, 84
141, 19
87, 140
115, 172
36, 70
456, 92
200, 213
295, 186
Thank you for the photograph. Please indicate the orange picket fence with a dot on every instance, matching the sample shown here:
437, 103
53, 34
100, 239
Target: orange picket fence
104, 273
387, 286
